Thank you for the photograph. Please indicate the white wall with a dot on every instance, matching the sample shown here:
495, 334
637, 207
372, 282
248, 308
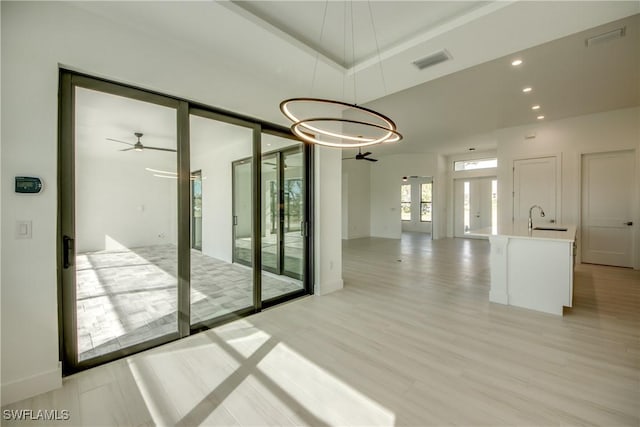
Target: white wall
328, 224
36, 38
119, 202
386, 177
356, 199
569, 139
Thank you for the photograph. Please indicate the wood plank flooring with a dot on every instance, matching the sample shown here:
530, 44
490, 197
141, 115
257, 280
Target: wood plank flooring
411, 340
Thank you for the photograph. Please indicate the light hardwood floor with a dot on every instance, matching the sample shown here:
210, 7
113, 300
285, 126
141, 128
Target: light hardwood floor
411, 340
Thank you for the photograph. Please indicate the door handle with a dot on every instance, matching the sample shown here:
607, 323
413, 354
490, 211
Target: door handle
67, 251
629, 223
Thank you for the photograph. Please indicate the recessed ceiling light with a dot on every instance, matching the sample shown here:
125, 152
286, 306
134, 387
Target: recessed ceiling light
516, 62
540, 117
527, 89
535, 107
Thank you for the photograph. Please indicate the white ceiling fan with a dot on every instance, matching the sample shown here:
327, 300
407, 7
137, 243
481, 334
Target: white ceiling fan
138, 145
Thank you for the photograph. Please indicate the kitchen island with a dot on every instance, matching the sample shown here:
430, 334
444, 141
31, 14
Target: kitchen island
532, 268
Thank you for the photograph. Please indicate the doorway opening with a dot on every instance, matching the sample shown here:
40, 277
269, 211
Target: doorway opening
416, 204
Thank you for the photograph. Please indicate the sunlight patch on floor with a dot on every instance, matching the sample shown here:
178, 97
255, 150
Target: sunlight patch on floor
321, 393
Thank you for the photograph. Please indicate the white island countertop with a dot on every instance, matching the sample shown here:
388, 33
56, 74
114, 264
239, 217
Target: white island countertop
521, 231
532, 269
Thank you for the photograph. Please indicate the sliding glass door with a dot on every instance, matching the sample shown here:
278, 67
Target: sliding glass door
282, 215
222, 279
165, 210
119, 236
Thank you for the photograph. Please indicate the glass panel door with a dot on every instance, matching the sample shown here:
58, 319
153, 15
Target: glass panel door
221, 272
293, 207
125, 224
242, 239
271, 213
282, 215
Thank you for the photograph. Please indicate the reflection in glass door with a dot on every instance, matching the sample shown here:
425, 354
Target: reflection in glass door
124, 239
196, 210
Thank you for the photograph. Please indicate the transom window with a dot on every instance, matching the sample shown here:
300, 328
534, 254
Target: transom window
468, 165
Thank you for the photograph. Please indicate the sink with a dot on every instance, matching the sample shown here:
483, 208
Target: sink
551, 228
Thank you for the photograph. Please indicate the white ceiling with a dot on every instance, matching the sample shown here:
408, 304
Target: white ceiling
349, 33
473, 94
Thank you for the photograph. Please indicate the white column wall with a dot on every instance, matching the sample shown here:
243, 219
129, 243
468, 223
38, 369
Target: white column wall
328, 221
356, 198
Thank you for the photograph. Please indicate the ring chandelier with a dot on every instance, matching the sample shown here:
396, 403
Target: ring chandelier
305, 128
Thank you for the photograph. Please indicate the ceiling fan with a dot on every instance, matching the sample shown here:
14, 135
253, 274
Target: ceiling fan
138, 145
362, 156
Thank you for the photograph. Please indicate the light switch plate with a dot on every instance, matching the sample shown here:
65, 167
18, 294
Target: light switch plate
23, 229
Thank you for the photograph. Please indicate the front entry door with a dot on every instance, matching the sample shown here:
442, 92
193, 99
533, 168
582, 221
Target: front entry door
607, 208
475, 205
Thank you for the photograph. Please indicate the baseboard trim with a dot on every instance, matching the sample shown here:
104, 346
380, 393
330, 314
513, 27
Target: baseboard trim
31, 386
325, 288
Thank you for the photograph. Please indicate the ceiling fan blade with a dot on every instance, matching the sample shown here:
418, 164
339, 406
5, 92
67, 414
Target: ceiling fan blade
127, 149
117, 140
371, 160
366, 154
146, 147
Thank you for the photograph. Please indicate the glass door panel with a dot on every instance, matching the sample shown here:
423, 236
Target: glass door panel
270, 215
242, 214
282, 213
221, 272
293, 207
125, 223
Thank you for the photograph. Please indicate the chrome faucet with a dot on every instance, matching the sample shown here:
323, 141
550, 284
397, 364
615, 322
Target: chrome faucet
530, 210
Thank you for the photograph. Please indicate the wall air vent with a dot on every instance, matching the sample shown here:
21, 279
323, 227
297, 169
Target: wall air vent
605, 37
433, 59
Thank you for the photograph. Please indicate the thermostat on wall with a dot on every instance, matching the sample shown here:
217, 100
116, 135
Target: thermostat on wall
28, 184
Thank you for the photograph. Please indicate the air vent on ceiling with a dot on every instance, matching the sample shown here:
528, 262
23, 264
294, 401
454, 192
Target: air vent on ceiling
605, 37
433, 59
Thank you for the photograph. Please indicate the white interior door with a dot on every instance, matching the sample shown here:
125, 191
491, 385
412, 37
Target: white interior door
475, 204
535, 182
607, 208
